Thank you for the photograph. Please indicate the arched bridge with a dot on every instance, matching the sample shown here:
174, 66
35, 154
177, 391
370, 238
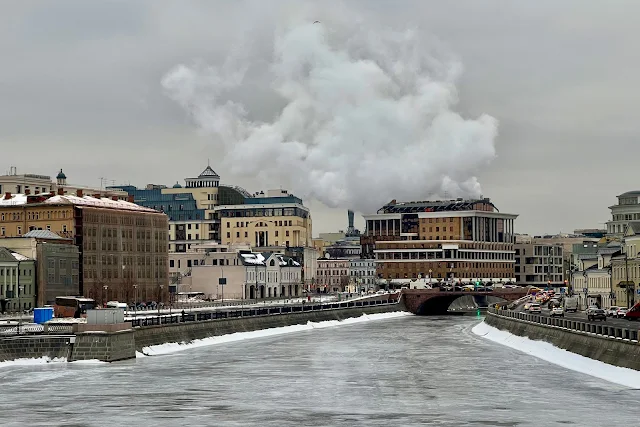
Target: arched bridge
431, 302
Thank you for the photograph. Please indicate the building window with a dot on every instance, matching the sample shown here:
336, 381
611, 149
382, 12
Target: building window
19, 230
171, 263
287, 233
228, 235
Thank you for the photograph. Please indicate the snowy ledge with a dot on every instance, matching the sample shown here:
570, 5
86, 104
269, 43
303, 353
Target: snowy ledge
550, 353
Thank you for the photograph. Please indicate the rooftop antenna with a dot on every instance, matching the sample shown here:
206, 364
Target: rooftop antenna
101, 181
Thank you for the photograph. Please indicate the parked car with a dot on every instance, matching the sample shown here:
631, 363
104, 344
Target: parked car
612, 311
597, 314
535, 308
557, 311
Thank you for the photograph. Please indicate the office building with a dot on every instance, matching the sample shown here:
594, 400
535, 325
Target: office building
461, 240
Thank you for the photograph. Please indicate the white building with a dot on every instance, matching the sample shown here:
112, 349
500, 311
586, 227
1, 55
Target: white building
627, 209
362, 274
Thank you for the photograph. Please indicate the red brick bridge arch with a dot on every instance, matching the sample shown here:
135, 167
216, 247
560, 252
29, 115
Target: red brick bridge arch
431, 302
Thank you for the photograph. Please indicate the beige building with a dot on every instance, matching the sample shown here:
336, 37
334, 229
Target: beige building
625, 267
246, 274
276, 219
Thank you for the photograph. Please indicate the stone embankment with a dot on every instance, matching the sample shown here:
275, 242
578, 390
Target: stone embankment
609, 344
120, 342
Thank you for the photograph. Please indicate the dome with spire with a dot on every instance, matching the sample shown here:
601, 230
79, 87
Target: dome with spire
61, 175
177, 185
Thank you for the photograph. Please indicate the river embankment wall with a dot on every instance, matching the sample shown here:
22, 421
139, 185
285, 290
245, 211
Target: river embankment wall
122, 342
187, 332
613, 345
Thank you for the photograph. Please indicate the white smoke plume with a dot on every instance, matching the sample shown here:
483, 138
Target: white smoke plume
362, 118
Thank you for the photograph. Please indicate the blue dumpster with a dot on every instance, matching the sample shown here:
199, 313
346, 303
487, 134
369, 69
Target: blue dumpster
42, 314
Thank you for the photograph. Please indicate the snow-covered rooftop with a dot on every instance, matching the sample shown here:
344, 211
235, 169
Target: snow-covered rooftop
104, 202
253, 258
19, 257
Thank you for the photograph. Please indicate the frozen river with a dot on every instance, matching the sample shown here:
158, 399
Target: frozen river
399, 372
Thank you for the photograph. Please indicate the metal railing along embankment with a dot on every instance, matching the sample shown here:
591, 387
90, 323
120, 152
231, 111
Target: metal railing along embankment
601, 329
256, 311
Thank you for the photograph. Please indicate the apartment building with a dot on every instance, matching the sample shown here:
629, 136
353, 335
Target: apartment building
539, 264
123, 246
332, 275
462, 240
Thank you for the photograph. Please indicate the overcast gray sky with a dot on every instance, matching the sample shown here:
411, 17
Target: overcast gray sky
80, 90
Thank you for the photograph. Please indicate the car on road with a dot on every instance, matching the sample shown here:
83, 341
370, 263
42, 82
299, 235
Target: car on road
597, 314
612, 311
535, 308
590, 309
557, 311
621, 312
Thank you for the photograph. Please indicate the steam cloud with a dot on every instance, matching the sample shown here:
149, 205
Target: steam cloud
363, 118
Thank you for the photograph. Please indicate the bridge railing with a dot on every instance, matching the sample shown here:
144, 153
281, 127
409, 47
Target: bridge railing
256, 311
600, 329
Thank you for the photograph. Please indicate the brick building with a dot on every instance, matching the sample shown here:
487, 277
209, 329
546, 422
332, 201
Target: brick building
123, 246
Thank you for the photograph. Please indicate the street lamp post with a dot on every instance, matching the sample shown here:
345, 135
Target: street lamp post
18, 290
159, 298
135, 300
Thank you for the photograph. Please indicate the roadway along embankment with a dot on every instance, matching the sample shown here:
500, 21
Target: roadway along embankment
189, 331
613, 345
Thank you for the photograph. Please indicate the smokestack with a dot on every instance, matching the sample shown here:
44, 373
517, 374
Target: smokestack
350, 215
79, 193
7, 195
60, 191
27, 191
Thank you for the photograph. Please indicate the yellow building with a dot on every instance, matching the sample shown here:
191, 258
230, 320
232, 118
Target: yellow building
275, 219
17, 218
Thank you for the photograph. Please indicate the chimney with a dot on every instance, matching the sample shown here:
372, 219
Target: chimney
79, 193
27, 191
130, 199
114, 198
7, 195
60, 191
